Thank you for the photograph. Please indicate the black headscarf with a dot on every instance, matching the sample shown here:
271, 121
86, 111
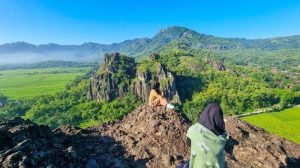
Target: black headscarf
212, 118
156, 87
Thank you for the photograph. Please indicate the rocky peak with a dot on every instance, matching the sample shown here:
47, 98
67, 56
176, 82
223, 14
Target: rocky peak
115, 62
113, 78
144, 82
120, 75
147, 137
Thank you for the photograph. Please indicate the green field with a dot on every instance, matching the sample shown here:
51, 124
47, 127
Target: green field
27, 83
285, 124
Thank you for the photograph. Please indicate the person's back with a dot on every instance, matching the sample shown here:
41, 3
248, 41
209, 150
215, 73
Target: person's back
207, 149
208, 138
154, 98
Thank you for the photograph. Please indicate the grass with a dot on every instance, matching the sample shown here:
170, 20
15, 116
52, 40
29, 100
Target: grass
27, 83
285, 123
90, 123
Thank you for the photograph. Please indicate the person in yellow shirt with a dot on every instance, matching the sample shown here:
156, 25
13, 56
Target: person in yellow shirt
156, 97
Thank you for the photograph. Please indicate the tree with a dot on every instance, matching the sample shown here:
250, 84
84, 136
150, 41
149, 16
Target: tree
3, 100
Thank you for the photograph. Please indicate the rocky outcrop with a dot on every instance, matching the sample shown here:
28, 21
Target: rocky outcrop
120, 75
250, 146
113, 78
151, 134
156, 135
141, 87
217, 66
147, 137
26, 145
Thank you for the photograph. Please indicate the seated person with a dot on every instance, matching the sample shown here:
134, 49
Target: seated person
156, 97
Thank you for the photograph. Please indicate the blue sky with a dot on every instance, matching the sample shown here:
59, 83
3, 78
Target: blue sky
108, 21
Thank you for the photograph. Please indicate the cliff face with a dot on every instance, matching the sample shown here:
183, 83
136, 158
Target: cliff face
120, 75
143, 83
147, 137
113, 78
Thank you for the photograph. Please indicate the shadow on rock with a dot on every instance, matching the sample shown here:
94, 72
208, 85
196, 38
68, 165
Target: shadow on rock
98, 151
230, 146
293, 162
31, 145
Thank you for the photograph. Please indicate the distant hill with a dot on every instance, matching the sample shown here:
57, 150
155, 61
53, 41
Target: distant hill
21, 52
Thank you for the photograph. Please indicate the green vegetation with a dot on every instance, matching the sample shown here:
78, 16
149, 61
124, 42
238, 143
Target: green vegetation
284, 59
259, 74
72, 107
3, 99
235, 94
27, 83
239, 89
148, 65
15, 108
69, 106
285, 123
190, 39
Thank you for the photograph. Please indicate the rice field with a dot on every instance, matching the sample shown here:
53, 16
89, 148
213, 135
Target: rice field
27, 83
285, 123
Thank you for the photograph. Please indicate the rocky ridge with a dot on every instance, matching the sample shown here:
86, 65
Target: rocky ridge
147, 137
120, 75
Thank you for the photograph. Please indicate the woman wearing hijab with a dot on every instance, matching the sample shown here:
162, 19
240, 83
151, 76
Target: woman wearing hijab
208, 138
156, 97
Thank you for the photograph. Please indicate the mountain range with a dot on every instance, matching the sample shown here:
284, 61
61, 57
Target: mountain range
22, 52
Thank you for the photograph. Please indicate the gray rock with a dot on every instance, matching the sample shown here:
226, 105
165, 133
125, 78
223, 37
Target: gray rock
92, 164
104, 85
72, 152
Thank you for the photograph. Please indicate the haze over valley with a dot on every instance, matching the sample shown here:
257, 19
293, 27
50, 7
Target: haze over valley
22, 52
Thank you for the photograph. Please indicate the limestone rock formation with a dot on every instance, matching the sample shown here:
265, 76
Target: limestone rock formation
120, 75
147, 137
113, 78
142, 85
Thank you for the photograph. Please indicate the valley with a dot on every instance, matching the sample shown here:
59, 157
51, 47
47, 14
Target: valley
151, 84
107, 97
27, 83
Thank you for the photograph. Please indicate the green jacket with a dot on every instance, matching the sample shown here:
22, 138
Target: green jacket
207, 149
